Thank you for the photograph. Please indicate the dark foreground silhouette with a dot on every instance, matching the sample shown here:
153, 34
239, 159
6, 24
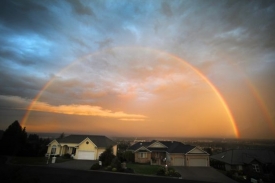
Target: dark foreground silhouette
44, 174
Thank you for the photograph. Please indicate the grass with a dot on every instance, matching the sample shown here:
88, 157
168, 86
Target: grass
35, 160
143, 169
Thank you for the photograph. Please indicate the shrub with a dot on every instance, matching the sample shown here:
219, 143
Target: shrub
170, 172
107, 156
108, 168
114, 169
95, 166
161, 172
174, 174
67, 156
116, 164
129, 170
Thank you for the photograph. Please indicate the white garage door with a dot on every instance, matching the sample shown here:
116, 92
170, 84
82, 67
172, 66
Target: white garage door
178, 162
197, 162
87, 155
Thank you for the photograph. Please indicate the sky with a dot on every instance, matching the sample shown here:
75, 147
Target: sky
140, 68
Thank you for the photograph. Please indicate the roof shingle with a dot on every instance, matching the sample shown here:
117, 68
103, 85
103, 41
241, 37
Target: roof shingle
98, 140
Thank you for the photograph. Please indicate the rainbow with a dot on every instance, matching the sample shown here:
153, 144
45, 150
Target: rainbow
265, 111
200, 74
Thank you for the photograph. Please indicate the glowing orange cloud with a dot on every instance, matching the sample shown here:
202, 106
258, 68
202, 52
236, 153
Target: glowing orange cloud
86, 110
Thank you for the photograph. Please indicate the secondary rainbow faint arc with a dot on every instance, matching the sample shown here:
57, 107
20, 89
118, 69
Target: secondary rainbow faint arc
258, 98
228, 112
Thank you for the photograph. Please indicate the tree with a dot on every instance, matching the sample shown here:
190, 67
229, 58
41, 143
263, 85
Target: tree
107, 156
14, 139
62, 135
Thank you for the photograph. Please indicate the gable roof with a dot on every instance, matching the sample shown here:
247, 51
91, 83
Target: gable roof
245, 156
171, 146
98, 140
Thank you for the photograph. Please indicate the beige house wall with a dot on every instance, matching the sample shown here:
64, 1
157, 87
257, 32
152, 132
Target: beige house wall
115, 150
138, 159
51, 145
83, 146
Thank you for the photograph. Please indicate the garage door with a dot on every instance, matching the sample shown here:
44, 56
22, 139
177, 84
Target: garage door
87, 155
197, 162
178, 162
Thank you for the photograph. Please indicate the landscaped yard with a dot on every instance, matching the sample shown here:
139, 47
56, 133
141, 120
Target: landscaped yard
143, 169
35, 160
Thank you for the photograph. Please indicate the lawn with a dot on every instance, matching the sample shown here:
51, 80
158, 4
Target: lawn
143, 169
35, 160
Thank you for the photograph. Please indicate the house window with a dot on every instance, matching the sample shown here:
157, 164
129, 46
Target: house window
53, 149
256, 167
143, 155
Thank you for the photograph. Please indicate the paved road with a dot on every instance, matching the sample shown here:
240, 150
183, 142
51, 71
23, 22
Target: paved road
75, 164
203, 174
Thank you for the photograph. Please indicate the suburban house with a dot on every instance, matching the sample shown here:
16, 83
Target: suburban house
254, 163
172, 153
84, 147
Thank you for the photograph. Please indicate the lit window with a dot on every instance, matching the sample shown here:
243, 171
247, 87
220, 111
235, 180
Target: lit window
256, 167
143, 155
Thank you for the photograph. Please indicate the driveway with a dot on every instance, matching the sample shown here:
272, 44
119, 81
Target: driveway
75, 164
208, 174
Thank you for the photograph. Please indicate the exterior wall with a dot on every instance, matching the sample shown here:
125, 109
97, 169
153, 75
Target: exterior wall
196, 157
115, 150
86, 147
142, 160
67, 148
58, 148
157, 158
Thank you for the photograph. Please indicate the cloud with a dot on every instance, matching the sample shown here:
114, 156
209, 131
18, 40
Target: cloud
85, 110
81, 9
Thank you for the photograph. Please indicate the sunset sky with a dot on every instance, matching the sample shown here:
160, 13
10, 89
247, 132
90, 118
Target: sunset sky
139, 68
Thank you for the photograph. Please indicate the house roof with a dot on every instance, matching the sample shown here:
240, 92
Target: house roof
98, 140
245, 156
171, 146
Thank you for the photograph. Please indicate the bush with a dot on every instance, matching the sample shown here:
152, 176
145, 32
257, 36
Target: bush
116, 164
175, 174
129, 170
108, 168
170, 172
107, 156
114, 169
95, 166
67, 156
161, 172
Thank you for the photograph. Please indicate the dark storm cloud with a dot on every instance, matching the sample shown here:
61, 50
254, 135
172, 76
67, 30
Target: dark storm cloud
81, 9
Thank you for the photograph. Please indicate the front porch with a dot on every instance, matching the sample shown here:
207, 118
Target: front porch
67, 150
158, 158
